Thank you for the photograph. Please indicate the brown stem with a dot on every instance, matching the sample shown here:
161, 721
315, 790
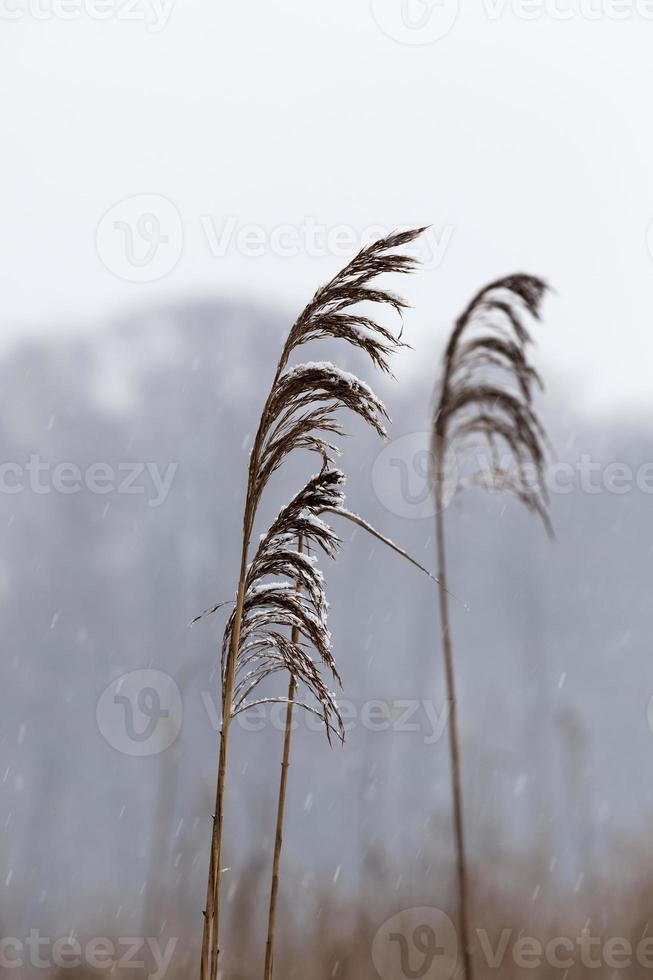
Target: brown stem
281, 808
278, 840
211, 936
456, 788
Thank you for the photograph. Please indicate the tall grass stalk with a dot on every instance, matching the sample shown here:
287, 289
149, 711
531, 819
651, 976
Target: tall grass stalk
281, 808
484, 414
299, 413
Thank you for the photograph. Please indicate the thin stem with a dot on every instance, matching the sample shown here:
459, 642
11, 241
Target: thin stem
347, 288
278, 840
456, 788
211, 937
281, 808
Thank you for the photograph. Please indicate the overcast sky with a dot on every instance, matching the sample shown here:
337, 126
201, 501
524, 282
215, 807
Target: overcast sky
253, 144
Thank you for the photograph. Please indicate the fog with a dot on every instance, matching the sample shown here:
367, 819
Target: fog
553, 637
178, 179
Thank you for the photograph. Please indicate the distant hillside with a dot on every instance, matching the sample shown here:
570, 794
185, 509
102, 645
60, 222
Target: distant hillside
555, 650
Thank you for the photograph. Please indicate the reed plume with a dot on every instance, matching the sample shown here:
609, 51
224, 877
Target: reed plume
484, 414
299, 413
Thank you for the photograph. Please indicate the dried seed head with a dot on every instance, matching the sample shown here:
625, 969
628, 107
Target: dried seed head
284, 590
485, 411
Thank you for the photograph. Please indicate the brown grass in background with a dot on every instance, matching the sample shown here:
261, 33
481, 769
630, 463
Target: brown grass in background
328, 931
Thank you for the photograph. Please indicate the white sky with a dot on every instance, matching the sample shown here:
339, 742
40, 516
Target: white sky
528, 142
